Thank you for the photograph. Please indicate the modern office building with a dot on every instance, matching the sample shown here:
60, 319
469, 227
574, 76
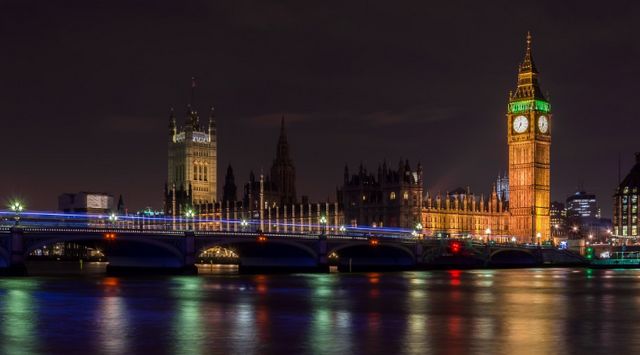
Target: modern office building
581, 206
625, 205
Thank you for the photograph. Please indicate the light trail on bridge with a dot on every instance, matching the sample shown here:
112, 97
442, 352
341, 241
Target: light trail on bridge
49, 218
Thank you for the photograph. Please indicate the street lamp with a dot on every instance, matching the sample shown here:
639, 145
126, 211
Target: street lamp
418, 230
487, 233
113, 218
244, 224
323, 222
16, 207
538, 237
189, 214
343, 229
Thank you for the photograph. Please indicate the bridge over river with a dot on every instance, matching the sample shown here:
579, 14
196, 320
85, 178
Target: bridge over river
159, 245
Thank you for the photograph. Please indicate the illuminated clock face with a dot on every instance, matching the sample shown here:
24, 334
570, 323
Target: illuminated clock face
520, 124
543, 124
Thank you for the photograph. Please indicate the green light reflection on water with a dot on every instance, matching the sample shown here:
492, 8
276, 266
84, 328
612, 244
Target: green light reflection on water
18, 316
188, 328
330, 320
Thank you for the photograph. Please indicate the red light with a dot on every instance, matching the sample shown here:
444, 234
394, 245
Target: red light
262, 238
455, 247
110, 236
373, 242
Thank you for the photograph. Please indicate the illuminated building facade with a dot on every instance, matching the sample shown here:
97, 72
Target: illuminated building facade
388, 198
625, 207
529, 139
192, 164
462, 214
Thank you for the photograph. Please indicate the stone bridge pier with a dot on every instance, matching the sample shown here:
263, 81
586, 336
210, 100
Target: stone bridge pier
12, 256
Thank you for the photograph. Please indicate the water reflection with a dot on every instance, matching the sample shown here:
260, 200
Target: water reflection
19, 316
187, 327
112, 319
455, 312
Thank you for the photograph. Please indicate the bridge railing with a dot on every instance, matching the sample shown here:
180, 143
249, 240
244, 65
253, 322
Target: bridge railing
54, 221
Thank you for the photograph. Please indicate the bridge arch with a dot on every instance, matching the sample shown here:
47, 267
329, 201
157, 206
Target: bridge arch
511, 250
236, 246
363, 243
124, 251
512, 256
362, 256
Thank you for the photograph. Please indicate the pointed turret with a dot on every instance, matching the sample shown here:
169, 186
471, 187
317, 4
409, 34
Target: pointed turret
230, 189
121, 208
283, 172
528, 87
282, 150
212, 124
172, 124
346, 174
527, 64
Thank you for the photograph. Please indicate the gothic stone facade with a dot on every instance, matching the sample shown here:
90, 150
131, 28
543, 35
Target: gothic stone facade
390, 198
192, 164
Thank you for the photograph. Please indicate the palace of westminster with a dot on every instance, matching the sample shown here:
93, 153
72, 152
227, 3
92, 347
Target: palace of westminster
392, 196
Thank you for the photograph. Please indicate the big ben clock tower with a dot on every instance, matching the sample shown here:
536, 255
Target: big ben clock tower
529, 139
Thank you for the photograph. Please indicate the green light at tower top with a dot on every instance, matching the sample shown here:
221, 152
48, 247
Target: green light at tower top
526, 105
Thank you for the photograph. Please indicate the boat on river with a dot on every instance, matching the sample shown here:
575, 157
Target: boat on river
618, 260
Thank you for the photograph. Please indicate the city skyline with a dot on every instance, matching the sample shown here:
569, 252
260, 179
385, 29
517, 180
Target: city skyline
399, 96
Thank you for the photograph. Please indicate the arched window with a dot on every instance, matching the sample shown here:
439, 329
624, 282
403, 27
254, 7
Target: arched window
206, 173
195, 171
392, 196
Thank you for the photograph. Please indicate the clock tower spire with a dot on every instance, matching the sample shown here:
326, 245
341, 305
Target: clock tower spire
529, 140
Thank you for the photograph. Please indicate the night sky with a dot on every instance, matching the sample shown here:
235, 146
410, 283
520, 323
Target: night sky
86, 87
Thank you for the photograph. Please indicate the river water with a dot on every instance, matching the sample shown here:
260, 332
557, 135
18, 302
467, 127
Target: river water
518, 311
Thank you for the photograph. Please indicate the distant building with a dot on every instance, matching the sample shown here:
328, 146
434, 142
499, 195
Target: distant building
583, 218
389, 198
625, 205
582, 205
558, 219
86, 202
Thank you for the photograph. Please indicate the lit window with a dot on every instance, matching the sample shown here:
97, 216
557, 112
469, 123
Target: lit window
392, 196
405, 195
